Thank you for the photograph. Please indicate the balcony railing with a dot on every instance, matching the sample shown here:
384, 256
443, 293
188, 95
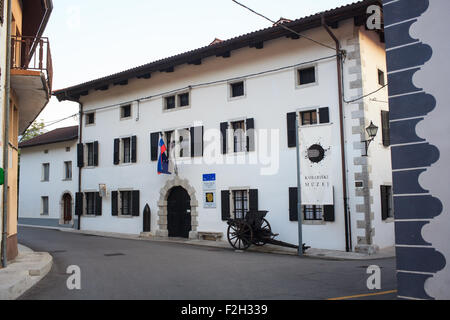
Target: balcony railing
30, 53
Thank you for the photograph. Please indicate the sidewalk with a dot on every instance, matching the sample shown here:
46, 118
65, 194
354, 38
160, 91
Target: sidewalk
311, 253
24, 272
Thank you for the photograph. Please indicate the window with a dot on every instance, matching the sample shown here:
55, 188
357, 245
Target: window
125, 111
46, 172
306, 76
239, 136
90, 203
90, 154
381, 80
46, 151
179, 100
178, 143
126, 148
183, 99
237, 89
68, 170
387, 208
67, 149
125, 203
308, 117
44, 201
313, 212
184, 145
170, 102
240, 203
90, 118
87, 153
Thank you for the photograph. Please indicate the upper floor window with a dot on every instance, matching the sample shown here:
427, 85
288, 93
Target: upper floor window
178, 142
90, 154
179, 100
381, 79
87, 153
306, 76
308, 117
183, 99
237, 89
68, 170
125, 150
90, 118
239, 136
125, 111
305, 118
46, 172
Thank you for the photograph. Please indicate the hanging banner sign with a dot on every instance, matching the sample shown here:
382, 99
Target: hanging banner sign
315, 165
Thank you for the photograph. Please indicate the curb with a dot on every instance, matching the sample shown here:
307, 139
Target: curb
23, 273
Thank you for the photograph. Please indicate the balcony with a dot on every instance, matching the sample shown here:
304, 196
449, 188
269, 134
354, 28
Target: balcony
32, 54
31, 76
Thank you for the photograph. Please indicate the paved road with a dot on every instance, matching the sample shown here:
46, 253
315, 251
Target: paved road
133, 269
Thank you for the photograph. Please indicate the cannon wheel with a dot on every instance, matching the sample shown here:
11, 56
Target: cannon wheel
240, 235
264, 230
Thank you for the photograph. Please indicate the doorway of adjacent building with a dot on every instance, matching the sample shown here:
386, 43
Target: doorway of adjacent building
179, 213
67, 208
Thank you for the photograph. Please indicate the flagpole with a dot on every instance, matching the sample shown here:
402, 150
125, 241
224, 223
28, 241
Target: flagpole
299, 202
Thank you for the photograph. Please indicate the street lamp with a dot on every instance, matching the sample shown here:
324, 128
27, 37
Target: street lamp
372, 131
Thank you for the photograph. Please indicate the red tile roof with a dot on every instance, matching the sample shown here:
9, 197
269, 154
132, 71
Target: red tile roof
57, 135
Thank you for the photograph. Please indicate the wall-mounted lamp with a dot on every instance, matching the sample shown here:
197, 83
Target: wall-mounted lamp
372, 131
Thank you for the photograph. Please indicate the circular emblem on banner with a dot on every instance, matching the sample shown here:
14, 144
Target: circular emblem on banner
316, 153
209, 197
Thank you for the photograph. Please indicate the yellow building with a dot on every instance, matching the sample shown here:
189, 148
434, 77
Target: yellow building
25, 91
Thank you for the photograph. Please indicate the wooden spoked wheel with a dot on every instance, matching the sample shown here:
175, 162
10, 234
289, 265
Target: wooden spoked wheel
264, 233
240, 235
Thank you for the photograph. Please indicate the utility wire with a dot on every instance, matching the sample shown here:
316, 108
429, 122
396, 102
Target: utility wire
315, 41
52, 122
284, 27
208, 84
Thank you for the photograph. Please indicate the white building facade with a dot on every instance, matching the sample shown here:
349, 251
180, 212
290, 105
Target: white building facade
48, 179
230, 110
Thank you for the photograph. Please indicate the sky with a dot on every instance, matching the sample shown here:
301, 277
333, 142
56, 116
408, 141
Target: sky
92, 39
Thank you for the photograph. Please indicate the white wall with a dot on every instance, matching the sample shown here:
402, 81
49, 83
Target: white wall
31, 188
268, 99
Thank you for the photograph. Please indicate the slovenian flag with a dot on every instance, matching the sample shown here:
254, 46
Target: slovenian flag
163, 159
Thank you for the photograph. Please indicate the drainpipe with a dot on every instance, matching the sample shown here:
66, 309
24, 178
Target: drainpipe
348, 231
6, 136
80, 139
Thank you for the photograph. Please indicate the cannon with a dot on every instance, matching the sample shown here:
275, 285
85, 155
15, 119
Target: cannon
254, 229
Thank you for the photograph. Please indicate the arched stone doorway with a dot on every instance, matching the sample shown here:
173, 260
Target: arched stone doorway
179, 213
163, 206
66, 203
